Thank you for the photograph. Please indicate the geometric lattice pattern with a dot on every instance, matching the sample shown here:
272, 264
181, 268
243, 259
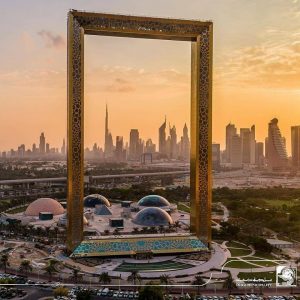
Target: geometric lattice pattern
131, 246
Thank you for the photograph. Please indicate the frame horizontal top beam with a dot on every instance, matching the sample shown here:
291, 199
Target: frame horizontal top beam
139, 26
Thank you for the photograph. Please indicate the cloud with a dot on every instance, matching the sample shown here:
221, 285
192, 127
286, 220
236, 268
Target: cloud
121, 79
275, 63
52, 40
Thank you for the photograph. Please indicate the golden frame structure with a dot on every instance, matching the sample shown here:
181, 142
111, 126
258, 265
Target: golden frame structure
200, 34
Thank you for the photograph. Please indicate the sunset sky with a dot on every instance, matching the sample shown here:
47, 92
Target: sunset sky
256, 69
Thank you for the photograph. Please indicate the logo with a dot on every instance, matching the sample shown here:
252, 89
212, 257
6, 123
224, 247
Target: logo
286, 276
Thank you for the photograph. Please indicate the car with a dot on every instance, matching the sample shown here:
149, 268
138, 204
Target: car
121, 293
126, 294
116, 294
110, 293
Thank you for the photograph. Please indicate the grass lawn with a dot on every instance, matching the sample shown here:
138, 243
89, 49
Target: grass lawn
279, 203
160, 266
238, 264
257, 275
18, 210
239, 252
236, 245
264, 255
183, 207
264, 263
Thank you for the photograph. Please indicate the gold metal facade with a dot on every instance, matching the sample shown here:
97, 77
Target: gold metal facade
200, 35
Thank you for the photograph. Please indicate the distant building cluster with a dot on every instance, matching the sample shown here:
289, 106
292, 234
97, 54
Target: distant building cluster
242, 149
139, 150
43, 150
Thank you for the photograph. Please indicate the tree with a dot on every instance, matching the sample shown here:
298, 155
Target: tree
199, 282
84, 295
4, 261
177, 225
134, 277
75, 274
135, 230
229, 283
165, 280
25, 266
60, 292
50, 268
104, 278
150, 292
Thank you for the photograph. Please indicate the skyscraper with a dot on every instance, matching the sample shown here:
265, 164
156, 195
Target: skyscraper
277, 155
42, 146
248, 145
295, 140
185, 144
173, 142
162, 138
134, 144
63, 148
230, 132
108, 144
120, 152
150, 147
236, 151
259, 154
216, 157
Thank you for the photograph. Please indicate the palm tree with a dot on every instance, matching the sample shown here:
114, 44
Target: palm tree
50, 268
104, 278
165, 280
25, 266
75, 274
177, 225
4, 261
229, 283
135, 230
116, 231
134, 277
106, 232
161, 229
198, 281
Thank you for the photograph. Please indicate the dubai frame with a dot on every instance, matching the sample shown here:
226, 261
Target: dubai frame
200, 35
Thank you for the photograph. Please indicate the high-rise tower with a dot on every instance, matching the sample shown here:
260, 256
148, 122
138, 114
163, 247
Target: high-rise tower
295, 139
108, 144
162, 138
276, 150
230, 132
42, 146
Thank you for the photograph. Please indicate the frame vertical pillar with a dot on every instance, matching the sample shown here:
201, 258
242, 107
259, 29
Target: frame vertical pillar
201, 136
75, 129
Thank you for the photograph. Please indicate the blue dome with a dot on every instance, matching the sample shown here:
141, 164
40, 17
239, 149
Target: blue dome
153, 201
152, 216
95, 199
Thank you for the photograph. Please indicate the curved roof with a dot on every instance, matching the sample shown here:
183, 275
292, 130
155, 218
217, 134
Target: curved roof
63, 220
95, 199
153, 201
42, 205
152, 216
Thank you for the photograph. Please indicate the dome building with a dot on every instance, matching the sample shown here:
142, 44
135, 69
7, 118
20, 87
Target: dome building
153, 201
91, 201
152, 216
44, 205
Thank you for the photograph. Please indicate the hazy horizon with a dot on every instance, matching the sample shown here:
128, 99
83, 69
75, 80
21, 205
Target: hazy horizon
256, 70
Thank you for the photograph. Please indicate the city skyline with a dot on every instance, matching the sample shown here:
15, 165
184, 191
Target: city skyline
256, 69
166, 141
